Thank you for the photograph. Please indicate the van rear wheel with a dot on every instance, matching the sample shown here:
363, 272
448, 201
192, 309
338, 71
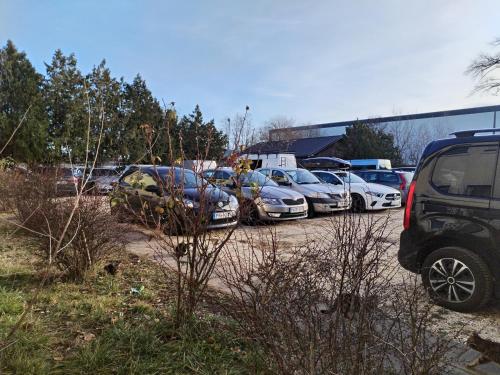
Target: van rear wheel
457, 279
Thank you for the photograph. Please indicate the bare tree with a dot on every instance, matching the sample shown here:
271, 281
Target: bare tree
412, 137
485, 69
281, 123
282, 128
240, 132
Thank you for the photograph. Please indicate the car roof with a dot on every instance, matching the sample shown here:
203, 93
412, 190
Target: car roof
378, 170
442, 143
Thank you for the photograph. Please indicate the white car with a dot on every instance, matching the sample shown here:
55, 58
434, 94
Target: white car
320, 197
364, 195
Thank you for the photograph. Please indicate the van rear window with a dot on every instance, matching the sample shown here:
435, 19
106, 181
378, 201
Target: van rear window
466, 171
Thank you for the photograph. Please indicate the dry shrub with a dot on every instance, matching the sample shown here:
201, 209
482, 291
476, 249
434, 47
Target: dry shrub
74, 232
330, 305
9, 180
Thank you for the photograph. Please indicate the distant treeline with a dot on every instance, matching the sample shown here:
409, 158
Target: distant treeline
63, 105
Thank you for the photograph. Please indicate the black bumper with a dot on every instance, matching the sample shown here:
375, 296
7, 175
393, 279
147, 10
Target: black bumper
408, 254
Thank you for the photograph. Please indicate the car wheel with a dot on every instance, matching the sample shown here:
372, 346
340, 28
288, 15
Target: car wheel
252, 215
457, 279
358, 203
310, 210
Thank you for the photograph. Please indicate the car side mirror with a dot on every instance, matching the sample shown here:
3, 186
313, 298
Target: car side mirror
153, 189
284, 183
231, 185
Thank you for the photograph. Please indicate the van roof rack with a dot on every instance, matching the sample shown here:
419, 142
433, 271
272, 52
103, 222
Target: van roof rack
473, 132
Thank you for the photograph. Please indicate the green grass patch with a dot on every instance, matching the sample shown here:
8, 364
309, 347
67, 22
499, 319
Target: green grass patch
108, 324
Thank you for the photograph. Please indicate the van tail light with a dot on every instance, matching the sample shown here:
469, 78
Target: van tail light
409, 203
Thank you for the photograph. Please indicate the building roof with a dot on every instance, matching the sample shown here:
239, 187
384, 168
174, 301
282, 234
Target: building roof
378, 120
302, 148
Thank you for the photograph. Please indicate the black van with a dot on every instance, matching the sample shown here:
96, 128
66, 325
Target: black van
451, 224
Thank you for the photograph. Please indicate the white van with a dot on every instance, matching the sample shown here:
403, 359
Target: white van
287, 161
358, 164
199, 166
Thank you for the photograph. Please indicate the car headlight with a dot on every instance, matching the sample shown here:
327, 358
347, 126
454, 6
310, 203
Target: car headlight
271, 201
233, 202
375, 194
188, 203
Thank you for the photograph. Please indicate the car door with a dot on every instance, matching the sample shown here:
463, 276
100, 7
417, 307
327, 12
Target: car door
139, 188
495, 207
454, 190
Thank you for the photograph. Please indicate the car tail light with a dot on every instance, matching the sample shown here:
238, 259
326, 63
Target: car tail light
402, 186
409, 203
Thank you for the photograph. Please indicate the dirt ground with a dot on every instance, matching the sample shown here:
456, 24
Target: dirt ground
293, 233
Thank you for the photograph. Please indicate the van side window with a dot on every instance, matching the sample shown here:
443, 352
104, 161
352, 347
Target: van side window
466, 171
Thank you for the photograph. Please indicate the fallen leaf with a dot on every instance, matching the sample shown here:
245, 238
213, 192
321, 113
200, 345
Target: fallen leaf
88, 336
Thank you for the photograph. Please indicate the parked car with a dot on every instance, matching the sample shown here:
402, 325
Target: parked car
102, 180
263, 198
451, 223
395, 179
68, 180
364, 195
325, 163
320, 197
405, 169
153, 186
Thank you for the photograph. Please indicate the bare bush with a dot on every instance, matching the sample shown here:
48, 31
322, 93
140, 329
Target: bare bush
324, 306
179, 212
88, 233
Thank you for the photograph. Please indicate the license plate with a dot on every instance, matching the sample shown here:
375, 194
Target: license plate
296, 209
223, 215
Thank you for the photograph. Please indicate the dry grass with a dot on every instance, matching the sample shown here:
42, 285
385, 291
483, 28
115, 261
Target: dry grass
107, 324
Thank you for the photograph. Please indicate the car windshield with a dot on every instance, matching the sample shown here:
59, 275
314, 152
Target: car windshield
183, 178
350, 178
256, 179
303, 177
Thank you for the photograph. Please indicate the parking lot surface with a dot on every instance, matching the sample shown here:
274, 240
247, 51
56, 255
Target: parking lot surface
295, 233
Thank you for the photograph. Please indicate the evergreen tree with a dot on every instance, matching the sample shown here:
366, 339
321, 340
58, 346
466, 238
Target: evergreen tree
20, 90
138, 107
364, 141
105, 112
201, 140
66, 101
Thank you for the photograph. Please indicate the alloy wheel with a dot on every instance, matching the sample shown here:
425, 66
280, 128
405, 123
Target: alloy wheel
451, 280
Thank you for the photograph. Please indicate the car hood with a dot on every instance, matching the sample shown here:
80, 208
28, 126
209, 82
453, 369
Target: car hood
276, 192
211, 194
370, 186
311, 189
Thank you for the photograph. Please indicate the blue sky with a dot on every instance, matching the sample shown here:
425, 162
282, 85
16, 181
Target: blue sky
314, 61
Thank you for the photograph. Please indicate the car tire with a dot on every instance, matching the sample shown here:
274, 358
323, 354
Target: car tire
310, 210
358, 203
457, 279
252, 218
